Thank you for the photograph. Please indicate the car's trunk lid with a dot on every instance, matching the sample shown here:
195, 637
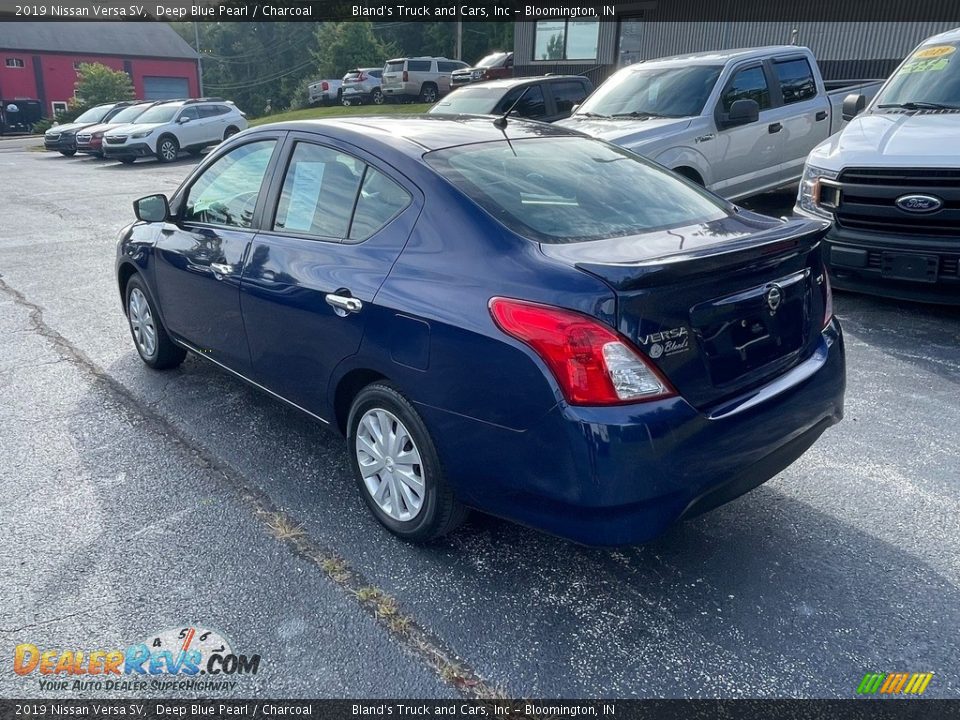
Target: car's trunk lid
720, 307
392, 74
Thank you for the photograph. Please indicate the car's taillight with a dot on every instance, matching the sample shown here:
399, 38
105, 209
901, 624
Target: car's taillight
406, 76
324, 85
592, 364
828, 299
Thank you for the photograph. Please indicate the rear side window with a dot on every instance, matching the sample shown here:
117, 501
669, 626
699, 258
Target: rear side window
212, 110
567, 94
796, 80
319, 190
531, 105
446, 67
376, 73
381, 200
572, 189
418, 65
226, 193
190, 112
748, 84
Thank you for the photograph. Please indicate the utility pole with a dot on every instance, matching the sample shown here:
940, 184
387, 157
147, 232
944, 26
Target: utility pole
459, 52
196, 38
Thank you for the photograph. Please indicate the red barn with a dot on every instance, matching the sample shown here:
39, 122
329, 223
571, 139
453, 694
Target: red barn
39, 60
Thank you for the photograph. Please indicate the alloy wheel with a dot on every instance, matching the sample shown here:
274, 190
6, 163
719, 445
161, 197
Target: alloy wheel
141, 323
390, 464
168, 150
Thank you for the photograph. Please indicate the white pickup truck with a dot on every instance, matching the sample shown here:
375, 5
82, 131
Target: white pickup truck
740, 122
325, 91
890, 182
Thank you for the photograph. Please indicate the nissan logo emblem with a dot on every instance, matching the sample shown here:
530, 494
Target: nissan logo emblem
774, 298
919, 203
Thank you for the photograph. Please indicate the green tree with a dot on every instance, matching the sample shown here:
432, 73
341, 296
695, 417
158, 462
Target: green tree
98, 84
554, 48
341, 46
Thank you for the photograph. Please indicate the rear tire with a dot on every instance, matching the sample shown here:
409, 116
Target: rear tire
195, 152
154, 346
230, 132
389, 443
428, 93
376, 97
168, 149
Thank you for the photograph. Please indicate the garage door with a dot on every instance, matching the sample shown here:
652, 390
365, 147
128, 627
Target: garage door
165, 88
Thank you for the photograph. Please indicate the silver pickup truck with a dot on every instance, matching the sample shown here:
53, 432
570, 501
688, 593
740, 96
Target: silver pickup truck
740, 122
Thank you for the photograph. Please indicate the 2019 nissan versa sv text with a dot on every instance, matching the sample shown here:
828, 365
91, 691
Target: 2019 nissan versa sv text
509, 317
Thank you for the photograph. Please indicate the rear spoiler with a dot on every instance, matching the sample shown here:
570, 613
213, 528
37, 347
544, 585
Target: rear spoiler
796, 236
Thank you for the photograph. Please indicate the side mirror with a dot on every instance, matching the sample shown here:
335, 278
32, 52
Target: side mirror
853, 105
574, 108
152, 208
183, 119
742, 112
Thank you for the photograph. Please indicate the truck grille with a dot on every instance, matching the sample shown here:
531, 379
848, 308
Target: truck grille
868, 201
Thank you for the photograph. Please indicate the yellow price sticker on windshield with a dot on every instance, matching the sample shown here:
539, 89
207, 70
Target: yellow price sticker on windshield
937, 51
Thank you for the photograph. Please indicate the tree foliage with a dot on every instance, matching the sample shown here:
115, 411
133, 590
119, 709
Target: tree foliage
98, 84
341, 46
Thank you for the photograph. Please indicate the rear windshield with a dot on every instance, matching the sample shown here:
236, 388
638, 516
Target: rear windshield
930, 75
395, 66
470, 100
161, 114
572, 189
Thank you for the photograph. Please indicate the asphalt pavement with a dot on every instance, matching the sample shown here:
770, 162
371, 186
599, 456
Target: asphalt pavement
137, 501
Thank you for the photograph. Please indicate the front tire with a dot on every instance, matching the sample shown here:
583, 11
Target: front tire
396, 466
68, 153
168, 149
155, 347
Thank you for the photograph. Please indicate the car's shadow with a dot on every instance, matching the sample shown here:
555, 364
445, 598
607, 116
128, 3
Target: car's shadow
767, 596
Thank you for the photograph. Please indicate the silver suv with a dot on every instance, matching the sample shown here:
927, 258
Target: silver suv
423, 78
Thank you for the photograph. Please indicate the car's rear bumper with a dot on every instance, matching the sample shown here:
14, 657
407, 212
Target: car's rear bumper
132, 150
622, 475
925, 269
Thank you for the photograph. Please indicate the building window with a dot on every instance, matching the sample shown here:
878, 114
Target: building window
630, 42
58, 107
15, 62
566, 40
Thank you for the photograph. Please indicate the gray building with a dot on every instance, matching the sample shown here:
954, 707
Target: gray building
595, 48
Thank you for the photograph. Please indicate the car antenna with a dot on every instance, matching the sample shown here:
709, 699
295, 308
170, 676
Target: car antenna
501, 122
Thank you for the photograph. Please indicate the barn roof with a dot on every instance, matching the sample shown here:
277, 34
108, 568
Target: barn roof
133, 39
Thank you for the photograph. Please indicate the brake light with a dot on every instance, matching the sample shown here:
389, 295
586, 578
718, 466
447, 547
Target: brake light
324, 85
828, 299
406, 76
592, 364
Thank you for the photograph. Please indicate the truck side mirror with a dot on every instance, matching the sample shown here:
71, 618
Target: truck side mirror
742, 112
853, 105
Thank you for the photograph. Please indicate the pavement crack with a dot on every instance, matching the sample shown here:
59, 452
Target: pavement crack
383, 608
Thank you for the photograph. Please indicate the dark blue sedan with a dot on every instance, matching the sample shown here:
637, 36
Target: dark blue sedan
510, 317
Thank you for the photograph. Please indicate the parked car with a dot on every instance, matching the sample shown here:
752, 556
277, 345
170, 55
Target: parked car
362, 85
509, 317
890, 182
494, 66
166, 129
739, 122
18, 115
90, 139
63, 137
547, 99
326, 91
422, 78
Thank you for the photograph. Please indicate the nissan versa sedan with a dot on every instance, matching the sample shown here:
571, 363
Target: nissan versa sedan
508, 317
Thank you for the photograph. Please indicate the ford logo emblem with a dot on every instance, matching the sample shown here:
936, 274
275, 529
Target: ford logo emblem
919, 203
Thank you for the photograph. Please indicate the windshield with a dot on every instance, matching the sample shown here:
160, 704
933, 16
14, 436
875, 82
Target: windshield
469, 100
571, 189
492, 59
653, 91
129, 114
94, 114
930, 75
160, 114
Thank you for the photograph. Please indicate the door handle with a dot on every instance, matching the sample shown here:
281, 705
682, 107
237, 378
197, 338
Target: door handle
822, 115
343, 305
774, 128
221, 270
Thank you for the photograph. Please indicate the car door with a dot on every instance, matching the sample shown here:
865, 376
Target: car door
200, 255
338, 222
212, 121
567, 94
746, 157
527, 101
804, 113
189, 127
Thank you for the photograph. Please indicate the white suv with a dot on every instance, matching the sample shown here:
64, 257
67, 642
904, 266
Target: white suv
166, 129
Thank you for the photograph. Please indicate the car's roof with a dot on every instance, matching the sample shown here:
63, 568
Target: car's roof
716, 57
413, 134
948, 36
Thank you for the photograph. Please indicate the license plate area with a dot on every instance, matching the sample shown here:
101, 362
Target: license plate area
908, 266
